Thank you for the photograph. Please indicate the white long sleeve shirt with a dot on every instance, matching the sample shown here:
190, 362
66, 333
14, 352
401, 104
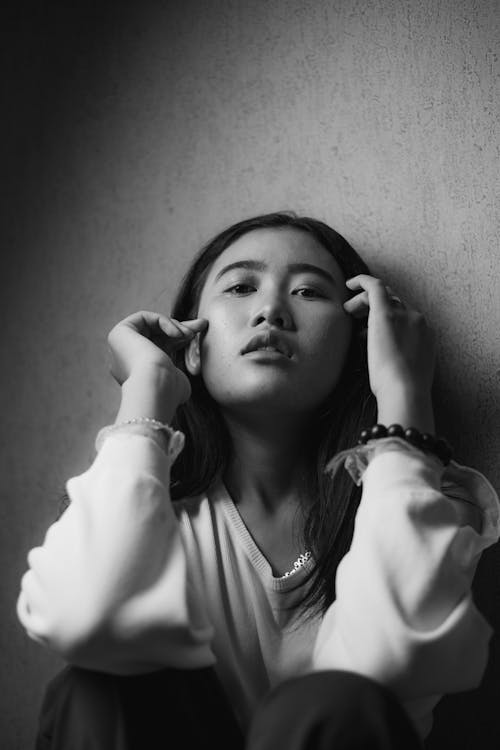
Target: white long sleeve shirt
126, 582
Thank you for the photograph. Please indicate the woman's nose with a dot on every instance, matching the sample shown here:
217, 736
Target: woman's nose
274, 312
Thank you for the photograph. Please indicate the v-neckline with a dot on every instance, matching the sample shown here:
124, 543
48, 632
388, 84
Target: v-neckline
258, 559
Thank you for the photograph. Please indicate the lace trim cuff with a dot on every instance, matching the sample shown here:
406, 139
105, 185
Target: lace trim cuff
355, 460
169, 440
457, 482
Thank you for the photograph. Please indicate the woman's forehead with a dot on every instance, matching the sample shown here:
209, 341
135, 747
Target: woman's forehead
276, 248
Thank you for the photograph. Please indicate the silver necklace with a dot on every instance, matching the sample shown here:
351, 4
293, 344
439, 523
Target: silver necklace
298, 564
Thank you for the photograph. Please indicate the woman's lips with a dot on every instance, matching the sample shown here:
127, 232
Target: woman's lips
269, 342
266, 353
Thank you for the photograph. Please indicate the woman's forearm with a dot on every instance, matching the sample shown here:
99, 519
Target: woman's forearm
148, 393
408, 407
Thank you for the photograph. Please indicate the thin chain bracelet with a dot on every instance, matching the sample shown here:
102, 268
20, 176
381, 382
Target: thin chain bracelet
154, 423
176, 441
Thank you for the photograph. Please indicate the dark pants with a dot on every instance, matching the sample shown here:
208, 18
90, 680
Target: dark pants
331, 711
86, 710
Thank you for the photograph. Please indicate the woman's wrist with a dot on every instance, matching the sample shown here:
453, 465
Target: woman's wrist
148, 393
408, 407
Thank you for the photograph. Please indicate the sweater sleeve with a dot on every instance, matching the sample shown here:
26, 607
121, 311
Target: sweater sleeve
110, 588
404, 614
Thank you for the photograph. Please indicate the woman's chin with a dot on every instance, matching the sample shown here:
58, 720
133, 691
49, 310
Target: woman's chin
268, 398
267, 388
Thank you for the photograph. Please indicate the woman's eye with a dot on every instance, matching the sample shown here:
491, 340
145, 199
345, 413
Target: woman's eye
240, 289
308, 292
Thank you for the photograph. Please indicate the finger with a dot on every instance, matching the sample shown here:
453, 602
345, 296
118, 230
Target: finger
395, 300
173, 328
179, 334
149, 324
186, 330
196, 324
360, 302
358, 306
377, 293
140, 320
192, 328
364, 295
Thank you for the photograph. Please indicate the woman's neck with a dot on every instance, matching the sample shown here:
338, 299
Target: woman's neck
268, 460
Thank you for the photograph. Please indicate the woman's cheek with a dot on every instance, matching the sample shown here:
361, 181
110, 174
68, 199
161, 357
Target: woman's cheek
334, 331
214, 347
333, 344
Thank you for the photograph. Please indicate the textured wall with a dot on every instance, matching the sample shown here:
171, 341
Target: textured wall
130, 137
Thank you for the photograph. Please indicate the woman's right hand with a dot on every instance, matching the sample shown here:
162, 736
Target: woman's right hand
144, 341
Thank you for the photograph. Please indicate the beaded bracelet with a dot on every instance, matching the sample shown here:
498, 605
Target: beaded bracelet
422, 440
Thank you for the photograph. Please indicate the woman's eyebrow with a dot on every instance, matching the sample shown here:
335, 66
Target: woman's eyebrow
259, 265
310, 268
249, 265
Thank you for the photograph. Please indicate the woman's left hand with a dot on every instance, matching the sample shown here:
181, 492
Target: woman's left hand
401, 346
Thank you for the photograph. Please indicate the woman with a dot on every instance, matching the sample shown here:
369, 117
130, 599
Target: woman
266, 368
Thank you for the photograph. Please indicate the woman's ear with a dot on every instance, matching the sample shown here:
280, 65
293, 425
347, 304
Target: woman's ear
192, 356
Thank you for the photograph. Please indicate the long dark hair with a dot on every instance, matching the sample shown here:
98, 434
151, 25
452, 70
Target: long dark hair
329, 520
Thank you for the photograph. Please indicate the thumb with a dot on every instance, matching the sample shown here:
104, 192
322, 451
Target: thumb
197, 324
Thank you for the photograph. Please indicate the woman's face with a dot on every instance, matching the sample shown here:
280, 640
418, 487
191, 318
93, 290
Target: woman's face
278, 335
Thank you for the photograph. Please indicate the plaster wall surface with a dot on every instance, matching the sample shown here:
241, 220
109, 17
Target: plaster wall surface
130, 136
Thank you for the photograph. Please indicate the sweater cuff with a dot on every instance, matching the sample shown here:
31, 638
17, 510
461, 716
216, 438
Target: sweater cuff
392, 459
357, 459
169, 440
